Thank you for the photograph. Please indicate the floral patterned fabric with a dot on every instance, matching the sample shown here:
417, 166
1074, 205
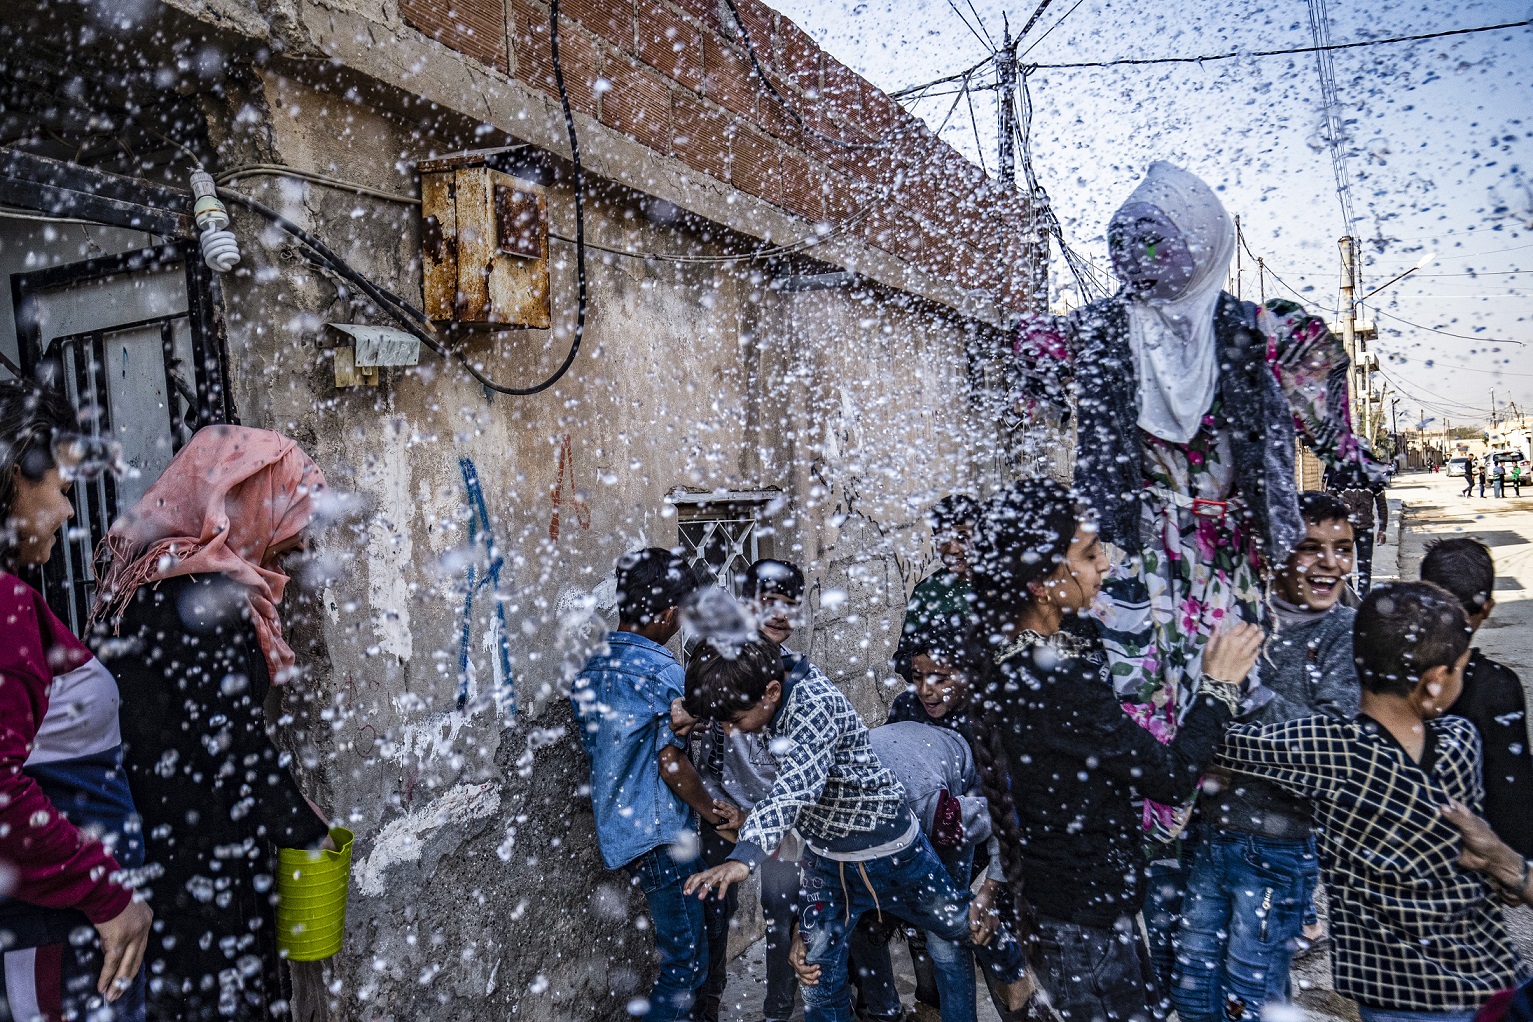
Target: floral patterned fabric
1195, 574
1160, 607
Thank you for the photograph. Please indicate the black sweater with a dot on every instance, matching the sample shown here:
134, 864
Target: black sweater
193, 725
1493, 701
210, 786
1077, 763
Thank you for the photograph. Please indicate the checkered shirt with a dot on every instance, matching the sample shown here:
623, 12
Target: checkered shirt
829, 781
1412, 929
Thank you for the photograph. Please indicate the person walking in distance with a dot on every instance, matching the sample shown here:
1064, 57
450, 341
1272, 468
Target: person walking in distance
1368, 511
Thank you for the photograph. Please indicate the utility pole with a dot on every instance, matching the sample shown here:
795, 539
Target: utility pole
1261, 279
1349, 334
1239, 270
1006, 81
1493, 408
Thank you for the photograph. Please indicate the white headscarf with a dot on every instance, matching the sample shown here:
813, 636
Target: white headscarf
1173, 340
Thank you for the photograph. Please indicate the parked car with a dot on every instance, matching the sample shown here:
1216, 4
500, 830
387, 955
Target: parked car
1456, 465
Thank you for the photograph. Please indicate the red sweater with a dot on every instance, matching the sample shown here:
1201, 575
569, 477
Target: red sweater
54, 865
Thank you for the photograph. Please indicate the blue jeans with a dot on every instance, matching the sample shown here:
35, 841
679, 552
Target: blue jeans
953, 961
1393, 1015
1164, 888
679, 935
1241, 920
911, 885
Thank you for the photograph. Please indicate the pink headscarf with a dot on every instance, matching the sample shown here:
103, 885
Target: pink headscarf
224, 501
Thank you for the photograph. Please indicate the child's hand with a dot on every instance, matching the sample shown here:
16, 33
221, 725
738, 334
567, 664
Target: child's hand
730, 816
682, 722
1486, 853
716, 881
1232, 652
798, 957
984, 920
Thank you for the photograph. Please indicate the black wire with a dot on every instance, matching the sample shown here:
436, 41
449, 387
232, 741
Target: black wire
1051, 28
1038, 13
788, 108
1280, 53
413, 319
982, 40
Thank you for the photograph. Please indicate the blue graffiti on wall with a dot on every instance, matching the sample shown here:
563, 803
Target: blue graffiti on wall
479, 534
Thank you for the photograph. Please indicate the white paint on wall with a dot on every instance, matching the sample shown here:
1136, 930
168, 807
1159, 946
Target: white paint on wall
389, 549
435, 737
404, 839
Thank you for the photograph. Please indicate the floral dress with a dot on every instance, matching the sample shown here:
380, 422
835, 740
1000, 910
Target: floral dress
1198, 570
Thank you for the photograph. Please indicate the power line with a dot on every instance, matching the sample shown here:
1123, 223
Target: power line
1051, 28
1448, 333
1123, 61
955, 76
1043, 5
982, 40
1320, 31
981, 23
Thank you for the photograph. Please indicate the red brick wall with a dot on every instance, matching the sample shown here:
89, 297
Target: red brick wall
669, 74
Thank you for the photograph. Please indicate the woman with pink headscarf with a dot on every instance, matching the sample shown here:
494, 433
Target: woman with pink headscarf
191, 591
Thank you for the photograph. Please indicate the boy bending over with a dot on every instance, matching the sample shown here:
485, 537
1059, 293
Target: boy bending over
866, 852
1416, 936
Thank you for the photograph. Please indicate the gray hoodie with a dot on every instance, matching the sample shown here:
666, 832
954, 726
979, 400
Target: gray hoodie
929, 760
1308, 665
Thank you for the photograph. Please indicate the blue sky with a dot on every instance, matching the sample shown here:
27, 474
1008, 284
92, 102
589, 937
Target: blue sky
1440, 150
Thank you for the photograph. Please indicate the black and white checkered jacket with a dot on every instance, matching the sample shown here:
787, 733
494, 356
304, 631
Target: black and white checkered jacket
1413, 929
829, 783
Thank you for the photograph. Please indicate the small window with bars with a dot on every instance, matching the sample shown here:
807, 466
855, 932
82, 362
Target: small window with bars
726, 530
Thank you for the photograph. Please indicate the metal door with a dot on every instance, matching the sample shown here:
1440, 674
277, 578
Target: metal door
132, 341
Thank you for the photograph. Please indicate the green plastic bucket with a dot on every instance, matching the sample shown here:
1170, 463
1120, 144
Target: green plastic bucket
311, 898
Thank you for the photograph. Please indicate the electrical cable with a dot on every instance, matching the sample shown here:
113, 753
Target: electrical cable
957, 75
1043, 5
9, 213
1125, 61
982, 40
973, 120
1051, 28
788, 108
771, 251
981, 23
262, 169
413, 319
1447, 333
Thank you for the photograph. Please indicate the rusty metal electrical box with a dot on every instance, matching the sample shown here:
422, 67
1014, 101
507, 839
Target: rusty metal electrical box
484, 241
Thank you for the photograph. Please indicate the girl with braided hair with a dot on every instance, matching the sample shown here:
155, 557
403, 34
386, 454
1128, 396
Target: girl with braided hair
1063, 763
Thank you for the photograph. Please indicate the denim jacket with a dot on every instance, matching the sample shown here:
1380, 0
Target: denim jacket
623, 702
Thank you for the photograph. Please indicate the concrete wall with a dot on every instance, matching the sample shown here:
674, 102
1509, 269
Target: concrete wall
478, 890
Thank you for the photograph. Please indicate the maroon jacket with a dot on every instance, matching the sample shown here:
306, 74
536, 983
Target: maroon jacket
54, 864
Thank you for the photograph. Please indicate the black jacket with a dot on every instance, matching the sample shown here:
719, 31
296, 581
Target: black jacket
1077, 762
212, 790
1493, 701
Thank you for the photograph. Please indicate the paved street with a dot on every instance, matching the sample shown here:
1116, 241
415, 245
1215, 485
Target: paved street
1432, 509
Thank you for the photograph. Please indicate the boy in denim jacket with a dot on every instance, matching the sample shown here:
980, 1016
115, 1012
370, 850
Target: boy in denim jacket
643, 788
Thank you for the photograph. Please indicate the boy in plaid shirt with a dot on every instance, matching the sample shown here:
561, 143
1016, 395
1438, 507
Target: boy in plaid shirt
1417, 937
865, 849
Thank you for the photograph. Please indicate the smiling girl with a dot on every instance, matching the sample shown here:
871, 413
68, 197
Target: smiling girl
67, 822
